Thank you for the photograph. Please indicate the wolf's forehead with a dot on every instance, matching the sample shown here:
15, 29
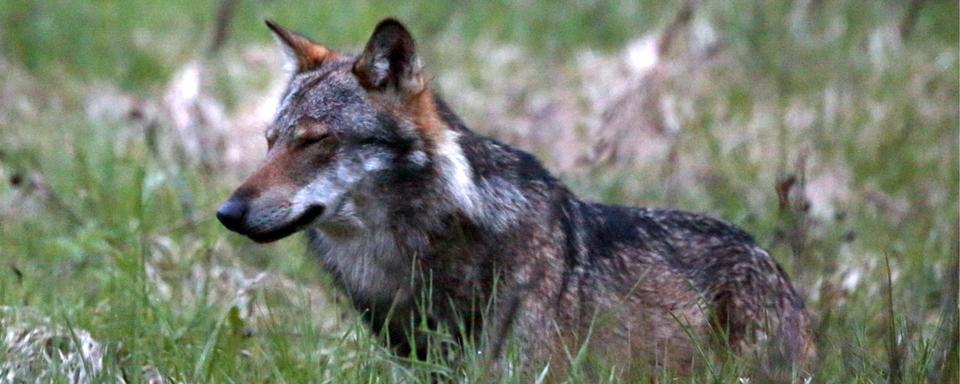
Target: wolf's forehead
320, 95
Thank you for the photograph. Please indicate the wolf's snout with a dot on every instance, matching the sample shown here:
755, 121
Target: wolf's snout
231, 214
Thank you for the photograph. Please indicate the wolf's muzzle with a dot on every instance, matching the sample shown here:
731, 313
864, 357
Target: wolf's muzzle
238, 216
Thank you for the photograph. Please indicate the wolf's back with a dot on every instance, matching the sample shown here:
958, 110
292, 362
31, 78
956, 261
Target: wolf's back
748, 295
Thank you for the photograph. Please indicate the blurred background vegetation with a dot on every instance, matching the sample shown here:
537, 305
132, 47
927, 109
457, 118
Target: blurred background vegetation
828, 128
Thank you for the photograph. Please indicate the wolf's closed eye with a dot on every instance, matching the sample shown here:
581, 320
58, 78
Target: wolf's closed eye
316, 138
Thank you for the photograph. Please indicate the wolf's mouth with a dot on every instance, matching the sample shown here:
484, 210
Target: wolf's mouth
308, 216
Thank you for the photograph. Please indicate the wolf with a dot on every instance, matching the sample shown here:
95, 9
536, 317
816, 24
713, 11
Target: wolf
404, 205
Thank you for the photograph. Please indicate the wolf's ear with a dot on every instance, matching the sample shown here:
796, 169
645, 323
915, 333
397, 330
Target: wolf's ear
390, 62
302, 53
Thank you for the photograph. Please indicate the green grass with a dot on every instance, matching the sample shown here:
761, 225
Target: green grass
122, 218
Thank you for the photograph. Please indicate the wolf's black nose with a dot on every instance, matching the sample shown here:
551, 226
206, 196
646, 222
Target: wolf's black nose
231, 214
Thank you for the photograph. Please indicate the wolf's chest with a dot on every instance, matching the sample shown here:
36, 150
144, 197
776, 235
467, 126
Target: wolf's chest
370, 267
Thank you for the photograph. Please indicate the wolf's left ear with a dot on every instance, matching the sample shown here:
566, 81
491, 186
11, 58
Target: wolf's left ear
390, 62
302, 53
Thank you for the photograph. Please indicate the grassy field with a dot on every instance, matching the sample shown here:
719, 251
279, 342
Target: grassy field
828, 129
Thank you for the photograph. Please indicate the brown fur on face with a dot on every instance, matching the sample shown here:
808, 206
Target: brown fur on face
291, 163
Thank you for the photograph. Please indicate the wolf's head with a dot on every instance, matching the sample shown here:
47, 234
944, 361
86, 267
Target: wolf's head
346, 125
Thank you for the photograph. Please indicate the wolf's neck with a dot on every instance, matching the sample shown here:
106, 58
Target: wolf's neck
488, 199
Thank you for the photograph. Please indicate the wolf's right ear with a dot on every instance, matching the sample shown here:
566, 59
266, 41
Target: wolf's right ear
390, 62
302, 53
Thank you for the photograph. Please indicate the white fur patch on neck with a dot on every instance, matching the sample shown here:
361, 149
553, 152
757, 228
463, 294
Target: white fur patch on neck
456, 171
491, 201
